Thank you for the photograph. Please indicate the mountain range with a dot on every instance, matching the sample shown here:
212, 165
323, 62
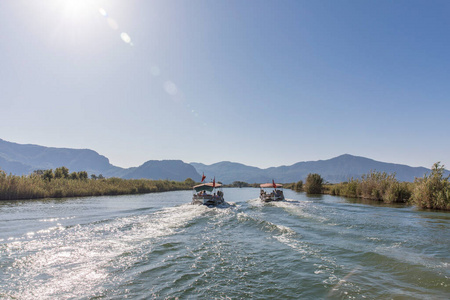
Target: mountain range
21, 159
333, 170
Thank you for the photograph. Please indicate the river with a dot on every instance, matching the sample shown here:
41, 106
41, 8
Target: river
158, 246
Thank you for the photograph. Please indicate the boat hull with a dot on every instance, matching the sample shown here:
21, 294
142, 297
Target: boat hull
207, 200
269, 198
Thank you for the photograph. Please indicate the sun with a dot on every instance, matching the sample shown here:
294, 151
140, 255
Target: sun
76, 8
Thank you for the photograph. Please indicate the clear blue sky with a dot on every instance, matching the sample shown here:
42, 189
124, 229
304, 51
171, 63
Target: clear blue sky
264, 83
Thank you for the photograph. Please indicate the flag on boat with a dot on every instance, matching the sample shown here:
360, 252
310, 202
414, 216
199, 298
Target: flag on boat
214, 182
274, 184
203, 177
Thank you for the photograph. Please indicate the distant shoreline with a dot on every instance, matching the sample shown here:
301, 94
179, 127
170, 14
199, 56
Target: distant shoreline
65, 185
430, 192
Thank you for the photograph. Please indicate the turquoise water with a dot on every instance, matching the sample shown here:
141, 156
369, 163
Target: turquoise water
159, 246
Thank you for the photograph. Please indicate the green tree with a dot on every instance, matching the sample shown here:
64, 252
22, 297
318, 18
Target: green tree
39, 172
62, 172
313, 184
74, 176
189, 182
83, 175
48, 175
240, 184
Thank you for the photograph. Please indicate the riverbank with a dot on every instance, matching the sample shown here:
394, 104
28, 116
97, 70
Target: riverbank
431, 191
39, 186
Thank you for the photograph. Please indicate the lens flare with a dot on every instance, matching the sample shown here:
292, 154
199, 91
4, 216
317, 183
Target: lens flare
102, 11
170, 88
125, 37
112, 23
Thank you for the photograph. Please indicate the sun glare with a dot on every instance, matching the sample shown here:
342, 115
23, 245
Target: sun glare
76, 7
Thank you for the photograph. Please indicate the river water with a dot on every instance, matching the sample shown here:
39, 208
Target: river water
159, 246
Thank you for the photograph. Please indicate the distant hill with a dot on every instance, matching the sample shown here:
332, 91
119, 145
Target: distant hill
20, 159
163, 169
227, 172
23, 159
333, 170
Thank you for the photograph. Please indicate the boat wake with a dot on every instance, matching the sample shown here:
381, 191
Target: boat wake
79, 261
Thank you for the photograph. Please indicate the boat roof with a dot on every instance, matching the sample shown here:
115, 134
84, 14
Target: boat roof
206, 187
270, 185
210, 184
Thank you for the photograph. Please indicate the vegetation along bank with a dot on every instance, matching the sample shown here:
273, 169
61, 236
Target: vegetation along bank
432, 191
60, 183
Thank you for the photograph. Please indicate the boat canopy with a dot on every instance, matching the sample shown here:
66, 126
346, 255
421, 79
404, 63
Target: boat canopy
270, 185
206, 187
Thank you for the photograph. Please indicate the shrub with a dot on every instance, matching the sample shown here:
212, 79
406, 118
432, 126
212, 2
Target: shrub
432, 191
299, 186
313, 184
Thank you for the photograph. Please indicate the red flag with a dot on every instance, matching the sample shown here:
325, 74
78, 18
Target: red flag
214, 181
274, 184
203, 177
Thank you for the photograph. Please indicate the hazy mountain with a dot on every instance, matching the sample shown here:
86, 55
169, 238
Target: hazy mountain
163, 169
24, 159
337, 169
21, 159
227, 172
14, 167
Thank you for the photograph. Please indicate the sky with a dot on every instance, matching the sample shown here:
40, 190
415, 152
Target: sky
263, 83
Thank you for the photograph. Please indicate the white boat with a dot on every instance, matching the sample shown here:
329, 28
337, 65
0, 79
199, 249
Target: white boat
271, 192
209, 194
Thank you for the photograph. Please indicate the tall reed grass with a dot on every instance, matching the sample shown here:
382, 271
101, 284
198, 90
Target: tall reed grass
431, 191
37, 186
375, 185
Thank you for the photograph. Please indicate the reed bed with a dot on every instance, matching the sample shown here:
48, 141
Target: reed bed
432, 191
36, 186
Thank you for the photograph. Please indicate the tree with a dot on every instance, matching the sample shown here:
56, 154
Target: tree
83, 175
48, 175
240, 184
93, 176
189, 182
61, 172
39, 172
313, 184
74, 176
